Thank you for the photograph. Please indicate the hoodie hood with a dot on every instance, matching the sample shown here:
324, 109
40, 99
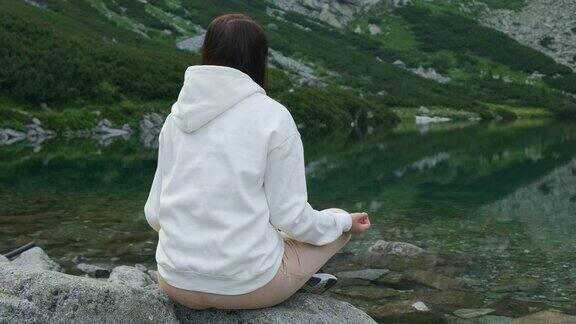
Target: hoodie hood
208, 91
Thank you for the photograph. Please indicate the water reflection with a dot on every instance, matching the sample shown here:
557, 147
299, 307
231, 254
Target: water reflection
503, 192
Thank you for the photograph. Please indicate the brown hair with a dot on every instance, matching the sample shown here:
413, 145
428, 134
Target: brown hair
239, 42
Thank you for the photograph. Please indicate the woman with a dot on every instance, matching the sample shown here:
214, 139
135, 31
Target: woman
230, 177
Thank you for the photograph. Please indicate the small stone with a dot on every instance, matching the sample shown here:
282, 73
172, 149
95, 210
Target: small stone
80, 259
156, 119
472, 312
395, 248
448, 301
515, 308
130, 276
3, 259
518, 284
366, 274
547, 316
36, 121
405, 311
153, 275
105, 123
423, 110
93, 270
420, 306
366, 292
491, 319
394, 279
433, 280
141, 267
35, 259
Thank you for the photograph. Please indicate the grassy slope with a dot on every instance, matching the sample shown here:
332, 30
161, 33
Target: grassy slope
85, 73
73, 56
493, 67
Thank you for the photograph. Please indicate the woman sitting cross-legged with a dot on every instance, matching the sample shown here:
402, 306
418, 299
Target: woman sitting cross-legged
229, 196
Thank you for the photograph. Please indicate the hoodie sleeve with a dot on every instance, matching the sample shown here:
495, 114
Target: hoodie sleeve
285, 187
152, 207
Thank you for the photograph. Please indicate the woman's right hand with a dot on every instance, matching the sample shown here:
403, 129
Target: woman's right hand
360, 223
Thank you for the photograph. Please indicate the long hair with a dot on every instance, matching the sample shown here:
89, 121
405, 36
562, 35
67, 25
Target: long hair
237, 41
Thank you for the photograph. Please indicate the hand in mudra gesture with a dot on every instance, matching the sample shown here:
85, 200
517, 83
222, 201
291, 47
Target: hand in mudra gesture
360, 223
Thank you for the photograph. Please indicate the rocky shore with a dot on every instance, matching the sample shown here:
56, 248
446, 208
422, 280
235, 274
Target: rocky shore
398, 282
394, 282
32, 290
104, 132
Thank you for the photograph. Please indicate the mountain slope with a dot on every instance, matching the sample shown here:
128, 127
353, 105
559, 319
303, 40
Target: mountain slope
365, 53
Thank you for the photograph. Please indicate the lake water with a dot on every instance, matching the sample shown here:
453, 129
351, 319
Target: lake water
502, 192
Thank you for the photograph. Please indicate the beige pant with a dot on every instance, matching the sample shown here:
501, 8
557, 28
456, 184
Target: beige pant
299, 263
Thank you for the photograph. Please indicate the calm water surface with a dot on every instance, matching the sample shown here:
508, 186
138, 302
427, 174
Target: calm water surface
503, 192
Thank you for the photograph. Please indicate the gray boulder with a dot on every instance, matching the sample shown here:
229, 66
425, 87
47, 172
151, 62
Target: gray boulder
32, 296
401, 256
93, 270
36, 296
35, 259
130, 276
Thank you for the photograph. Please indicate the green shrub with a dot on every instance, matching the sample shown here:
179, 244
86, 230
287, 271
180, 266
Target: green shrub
461, 34
67, 119
506, 115
277, 81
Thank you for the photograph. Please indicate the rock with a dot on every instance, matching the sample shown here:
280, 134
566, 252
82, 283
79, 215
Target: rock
491, 319
192, 44
394, 279
301, 308
104, 127
384, 248
515, 307
80, 259
156, 119
360, 277
366, 292
399, 64
374, 29
538, 20
300, 72
433, 280
366, 274
423, 110
472, 312
35, 259
405, 310
518, 284
93, 270
430, 120
429, 73
547, 316
153, 275
36, 296
337, 13
141, 267
3, 259
150, 127
448, 301
397, 256
130, 276
10, 136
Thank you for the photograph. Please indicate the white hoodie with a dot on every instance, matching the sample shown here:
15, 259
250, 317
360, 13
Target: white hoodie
230, 174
